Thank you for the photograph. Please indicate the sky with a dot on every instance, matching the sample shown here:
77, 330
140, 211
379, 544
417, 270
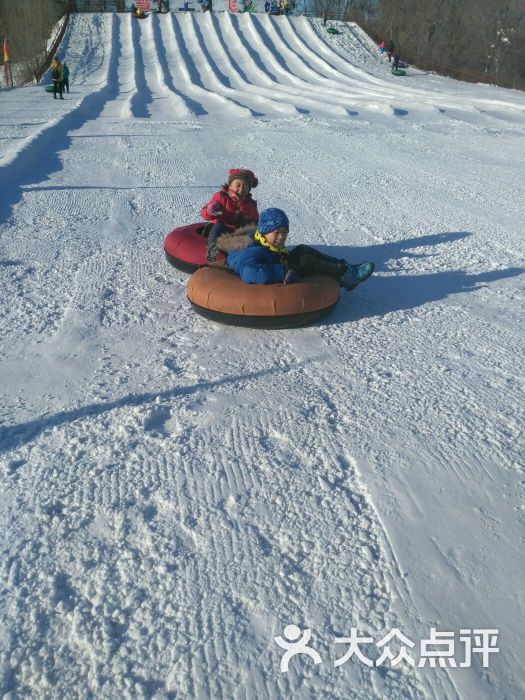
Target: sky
181, 498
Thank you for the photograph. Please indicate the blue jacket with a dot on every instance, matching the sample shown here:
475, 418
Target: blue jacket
256, 264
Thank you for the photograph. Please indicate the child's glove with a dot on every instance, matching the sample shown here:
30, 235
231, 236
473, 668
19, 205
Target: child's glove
214, 209
291, 277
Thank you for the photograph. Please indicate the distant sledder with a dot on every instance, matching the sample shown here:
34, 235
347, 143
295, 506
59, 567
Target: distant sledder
396, 68
138, 12
273, 7
392, 54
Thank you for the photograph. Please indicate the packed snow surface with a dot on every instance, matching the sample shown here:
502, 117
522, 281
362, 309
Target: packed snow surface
176, 493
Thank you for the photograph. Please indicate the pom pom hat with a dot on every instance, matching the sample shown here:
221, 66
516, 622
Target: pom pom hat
272, 219
241, 174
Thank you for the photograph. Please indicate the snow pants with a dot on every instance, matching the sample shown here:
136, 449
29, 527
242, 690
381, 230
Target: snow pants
57, 85
307, 261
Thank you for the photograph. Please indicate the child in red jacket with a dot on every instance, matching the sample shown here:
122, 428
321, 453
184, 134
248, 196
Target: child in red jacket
231, 207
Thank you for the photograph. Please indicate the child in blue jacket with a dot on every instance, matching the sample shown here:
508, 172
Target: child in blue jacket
259, 255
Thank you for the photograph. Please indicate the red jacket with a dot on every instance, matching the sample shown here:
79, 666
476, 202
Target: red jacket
232, 213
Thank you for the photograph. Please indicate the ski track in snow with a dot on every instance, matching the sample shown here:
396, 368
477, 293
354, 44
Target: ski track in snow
174, 492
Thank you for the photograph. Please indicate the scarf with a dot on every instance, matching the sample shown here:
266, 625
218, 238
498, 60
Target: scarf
282, 251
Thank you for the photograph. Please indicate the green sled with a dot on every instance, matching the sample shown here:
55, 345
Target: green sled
333, 30
49, 88
398, 71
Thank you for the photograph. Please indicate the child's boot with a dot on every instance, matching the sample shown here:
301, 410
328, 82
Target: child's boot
356, 274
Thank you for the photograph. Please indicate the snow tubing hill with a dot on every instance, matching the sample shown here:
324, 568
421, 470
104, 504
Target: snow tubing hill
185, 247
222, 296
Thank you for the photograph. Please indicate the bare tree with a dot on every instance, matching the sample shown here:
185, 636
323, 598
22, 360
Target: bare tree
332, 9
324, 8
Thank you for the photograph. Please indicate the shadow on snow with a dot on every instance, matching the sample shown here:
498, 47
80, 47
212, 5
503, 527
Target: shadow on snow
14, 436
402, 292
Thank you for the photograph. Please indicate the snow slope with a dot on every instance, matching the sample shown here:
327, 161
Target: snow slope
174, 493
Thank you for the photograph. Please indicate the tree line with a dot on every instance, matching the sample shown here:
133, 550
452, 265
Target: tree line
474, 40
28, 26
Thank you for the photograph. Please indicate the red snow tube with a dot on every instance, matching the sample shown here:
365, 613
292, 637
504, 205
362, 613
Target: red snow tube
185, 247
220, 295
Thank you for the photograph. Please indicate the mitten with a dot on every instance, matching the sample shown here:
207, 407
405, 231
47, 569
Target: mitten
214, 209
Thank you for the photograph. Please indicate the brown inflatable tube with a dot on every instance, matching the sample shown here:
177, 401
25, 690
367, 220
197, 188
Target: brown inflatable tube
222, 296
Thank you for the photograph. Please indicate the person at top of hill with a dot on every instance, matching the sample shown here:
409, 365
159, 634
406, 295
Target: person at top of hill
258, 254
232, 206
57, 75
65, 73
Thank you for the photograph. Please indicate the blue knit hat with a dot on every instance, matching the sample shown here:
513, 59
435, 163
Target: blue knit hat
272, 219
